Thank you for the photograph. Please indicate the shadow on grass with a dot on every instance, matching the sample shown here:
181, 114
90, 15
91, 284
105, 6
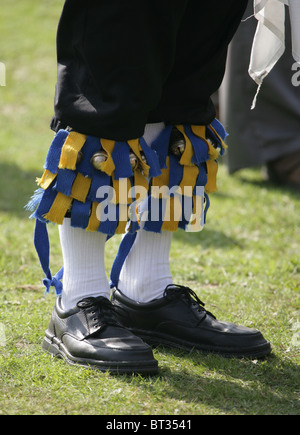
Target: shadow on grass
16, 188
229, 385
208, 238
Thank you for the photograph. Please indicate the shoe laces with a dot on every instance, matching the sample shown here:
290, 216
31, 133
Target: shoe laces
103, 310
174, 290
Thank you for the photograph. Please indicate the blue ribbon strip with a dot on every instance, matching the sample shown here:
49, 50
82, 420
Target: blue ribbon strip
42, 246
124, 249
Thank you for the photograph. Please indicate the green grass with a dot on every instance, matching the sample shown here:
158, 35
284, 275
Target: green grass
244, 265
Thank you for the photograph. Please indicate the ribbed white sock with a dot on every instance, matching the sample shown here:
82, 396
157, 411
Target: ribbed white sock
83, 258
146, 271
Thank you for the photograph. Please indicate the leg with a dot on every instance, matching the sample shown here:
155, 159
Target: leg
178, 318
105, 90
116, 108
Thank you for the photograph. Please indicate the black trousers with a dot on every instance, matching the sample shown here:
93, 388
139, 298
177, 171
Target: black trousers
125, 63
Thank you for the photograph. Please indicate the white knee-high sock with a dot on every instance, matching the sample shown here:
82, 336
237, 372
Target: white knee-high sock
83, 258
146, 271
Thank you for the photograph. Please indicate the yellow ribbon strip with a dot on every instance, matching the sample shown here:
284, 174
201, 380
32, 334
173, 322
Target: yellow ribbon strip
70, 150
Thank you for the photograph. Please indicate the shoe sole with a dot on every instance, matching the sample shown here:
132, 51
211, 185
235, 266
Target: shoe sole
57, 349
259, 351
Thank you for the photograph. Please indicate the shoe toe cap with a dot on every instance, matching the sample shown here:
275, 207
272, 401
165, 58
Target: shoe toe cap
114, 347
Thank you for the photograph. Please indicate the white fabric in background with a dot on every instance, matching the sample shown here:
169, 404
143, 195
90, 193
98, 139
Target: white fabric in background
269, 40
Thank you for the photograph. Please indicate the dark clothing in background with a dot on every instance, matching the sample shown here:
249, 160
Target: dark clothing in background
272, 129
125, 63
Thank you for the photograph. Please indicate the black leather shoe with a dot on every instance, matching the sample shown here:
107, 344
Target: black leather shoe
91, 335
179, 320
